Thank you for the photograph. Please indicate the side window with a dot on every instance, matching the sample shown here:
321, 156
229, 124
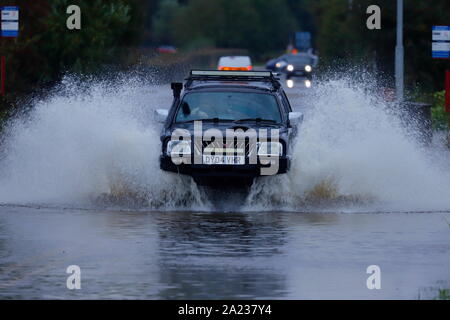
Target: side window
285, 100
173, 109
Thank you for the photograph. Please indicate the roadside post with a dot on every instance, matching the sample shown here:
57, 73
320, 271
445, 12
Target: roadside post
399, 55
447, 92
441, 50
447, 102
2, 74
9, 29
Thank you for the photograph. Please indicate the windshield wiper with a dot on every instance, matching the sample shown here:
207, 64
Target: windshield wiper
207, 120
256, 119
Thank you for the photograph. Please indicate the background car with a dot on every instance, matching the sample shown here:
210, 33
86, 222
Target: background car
300, 64
235, 63
166, 49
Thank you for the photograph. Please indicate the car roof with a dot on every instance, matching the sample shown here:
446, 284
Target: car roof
255, 80
235, 61
254, 85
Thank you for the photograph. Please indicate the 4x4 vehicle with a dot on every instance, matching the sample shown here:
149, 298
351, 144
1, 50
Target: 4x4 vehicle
228, 126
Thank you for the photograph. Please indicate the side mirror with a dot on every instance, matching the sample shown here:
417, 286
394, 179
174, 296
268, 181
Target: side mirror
295, 118
161, 115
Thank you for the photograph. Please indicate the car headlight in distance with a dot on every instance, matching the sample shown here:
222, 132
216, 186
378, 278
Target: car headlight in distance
280, 64
290, 68
290, 83
308, 68
177, 147
308, 83
270, 149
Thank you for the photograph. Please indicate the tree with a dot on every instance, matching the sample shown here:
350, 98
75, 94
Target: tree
103, 25
342, 36
249, 24
163, 20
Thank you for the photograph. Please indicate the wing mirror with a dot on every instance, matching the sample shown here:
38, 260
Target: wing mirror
161, 115
295, 118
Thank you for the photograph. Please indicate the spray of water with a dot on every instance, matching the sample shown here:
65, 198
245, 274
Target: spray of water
96, 144
351, 150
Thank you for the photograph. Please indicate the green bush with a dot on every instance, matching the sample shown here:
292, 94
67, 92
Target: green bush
439, 117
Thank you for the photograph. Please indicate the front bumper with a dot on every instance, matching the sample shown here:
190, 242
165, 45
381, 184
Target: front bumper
204, 170
298, 73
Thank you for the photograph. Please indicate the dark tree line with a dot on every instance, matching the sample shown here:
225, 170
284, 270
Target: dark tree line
338, 26
110, 28
342, 36
46, 49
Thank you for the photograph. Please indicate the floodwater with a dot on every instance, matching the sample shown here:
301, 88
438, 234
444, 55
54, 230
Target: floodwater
80, 185
206, 255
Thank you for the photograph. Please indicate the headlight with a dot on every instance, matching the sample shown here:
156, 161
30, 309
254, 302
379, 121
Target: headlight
308, 83
280, 64
290, 83
270, 149
308, 68
177, 147
290, 68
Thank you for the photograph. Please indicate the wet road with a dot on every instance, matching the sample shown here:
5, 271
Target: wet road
87, 149
200, 255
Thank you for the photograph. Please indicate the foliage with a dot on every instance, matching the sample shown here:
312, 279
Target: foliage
103, 24
45, 48
439, 117
163, 19
444, 294
342, 35
249, 24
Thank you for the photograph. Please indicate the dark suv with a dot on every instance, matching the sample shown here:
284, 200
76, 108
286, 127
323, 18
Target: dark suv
294, 65
228, 126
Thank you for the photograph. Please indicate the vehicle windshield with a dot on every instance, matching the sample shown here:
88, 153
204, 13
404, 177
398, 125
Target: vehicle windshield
298, 59
228, 106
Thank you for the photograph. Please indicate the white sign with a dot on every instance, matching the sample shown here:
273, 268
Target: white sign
10, 13
441, 42
441, 35
10, 26
441, 46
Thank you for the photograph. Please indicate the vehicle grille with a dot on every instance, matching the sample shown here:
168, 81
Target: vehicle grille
238, 147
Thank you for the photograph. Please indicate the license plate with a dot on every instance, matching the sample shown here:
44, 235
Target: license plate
231, 160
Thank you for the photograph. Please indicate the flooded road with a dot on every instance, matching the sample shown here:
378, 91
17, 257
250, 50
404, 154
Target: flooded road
205, 255
80, 185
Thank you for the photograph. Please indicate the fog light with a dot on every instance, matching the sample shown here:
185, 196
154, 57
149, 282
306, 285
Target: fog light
270, 149
178, 147
290, 83
308, 83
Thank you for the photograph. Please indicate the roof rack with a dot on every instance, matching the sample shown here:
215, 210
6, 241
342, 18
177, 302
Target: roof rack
205, 75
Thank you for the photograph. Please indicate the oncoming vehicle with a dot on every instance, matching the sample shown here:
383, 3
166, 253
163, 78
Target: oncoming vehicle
228, 126
298, 65
235, 63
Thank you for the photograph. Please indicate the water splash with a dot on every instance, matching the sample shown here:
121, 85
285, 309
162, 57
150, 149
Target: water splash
96, 144
352, 150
